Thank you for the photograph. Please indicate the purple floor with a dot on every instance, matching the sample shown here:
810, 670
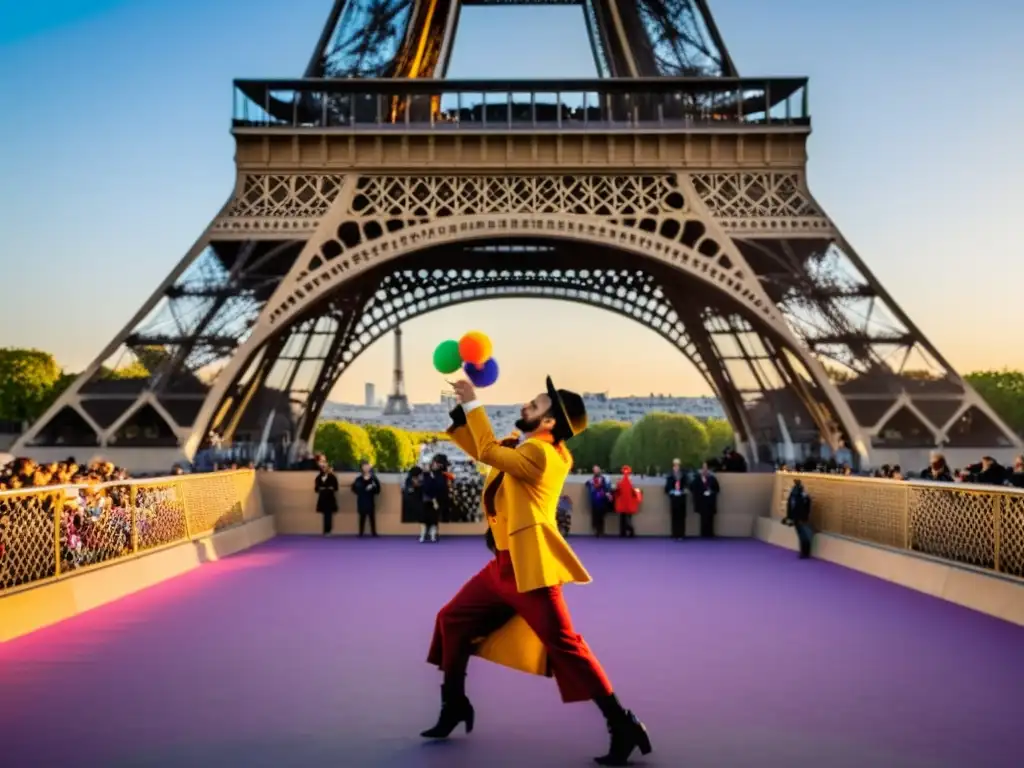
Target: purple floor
310, 652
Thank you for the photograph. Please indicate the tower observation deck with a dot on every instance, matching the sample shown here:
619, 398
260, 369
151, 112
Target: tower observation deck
661, 64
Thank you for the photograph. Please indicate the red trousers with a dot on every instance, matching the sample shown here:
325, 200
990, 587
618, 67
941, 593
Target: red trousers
488, 600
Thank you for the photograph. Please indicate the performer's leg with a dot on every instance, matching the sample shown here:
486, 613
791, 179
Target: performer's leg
328, 523
577, 671
362, 523
476, 610
623, 525
373, 521
423, 532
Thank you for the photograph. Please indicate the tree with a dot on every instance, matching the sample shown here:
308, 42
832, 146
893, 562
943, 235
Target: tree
27, 378
594, 445
418, 438
64, 381
1004, 392
720, 436
132, 370
658, 438
345, 445
393, 448
622, 451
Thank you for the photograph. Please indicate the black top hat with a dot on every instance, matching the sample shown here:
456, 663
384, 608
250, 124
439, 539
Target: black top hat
441, 460
568, 410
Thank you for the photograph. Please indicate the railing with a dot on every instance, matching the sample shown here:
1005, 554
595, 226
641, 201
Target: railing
471, 105
52, 532
979, 525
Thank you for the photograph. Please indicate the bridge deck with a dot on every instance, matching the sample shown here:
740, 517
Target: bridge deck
310, 652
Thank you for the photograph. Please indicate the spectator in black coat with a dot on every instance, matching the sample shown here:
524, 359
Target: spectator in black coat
436, 496
412, 497
676, 484
733, 461
705, 490
988, 472
798, 515
1016, 478
938, 470
366, 488
326, 488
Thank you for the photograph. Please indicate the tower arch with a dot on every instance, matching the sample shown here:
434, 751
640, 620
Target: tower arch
549, 262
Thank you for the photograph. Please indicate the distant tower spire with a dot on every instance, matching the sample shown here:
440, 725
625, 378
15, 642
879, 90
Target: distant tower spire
398, 403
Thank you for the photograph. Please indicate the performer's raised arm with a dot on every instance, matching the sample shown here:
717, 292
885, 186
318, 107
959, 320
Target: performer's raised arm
459, 432
526, 463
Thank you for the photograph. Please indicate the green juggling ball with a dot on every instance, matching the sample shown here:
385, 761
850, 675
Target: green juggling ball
446, 357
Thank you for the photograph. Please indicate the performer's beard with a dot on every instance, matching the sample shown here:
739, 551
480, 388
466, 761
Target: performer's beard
526, 426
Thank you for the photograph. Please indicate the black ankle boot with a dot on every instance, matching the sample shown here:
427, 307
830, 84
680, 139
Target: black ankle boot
455, 709
628, 734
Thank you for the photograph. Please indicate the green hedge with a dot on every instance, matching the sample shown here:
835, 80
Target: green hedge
594, 445
345, 445
658, 438
389, 449
650, 445
720, 436
622, 451
393, 448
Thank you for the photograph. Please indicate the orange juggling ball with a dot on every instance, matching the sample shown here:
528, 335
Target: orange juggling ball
475, 348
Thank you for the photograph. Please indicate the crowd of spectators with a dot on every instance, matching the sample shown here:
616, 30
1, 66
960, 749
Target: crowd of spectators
987, 471
93, 526
94, 513
22, 473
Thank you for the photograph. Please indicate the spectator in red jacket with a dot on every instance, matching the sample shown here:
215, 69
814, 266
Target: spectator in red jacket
627, 503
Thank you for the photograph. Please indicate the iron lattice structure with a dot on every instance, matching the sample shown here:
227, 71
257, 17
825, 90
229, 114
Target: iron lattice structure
679, 202
414, 39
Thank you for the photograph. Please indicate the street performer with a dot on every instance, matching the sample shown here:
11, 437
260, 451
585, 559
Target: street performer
512, 612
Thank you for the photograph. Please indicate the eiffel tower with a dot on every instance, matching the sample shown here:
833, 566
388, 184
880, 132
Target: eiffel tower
397, 402
374, 190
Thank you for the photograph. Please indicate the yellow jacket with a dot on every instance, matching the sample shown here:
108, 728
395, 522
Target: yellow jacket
524, 525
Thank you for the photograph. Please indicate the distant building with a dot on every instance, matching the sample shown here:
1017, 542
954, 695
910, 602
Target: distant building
433, 417
370, 396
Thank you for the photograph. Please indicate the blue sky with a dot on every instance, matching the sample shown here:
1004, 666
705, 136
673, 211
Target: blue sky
117, 153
